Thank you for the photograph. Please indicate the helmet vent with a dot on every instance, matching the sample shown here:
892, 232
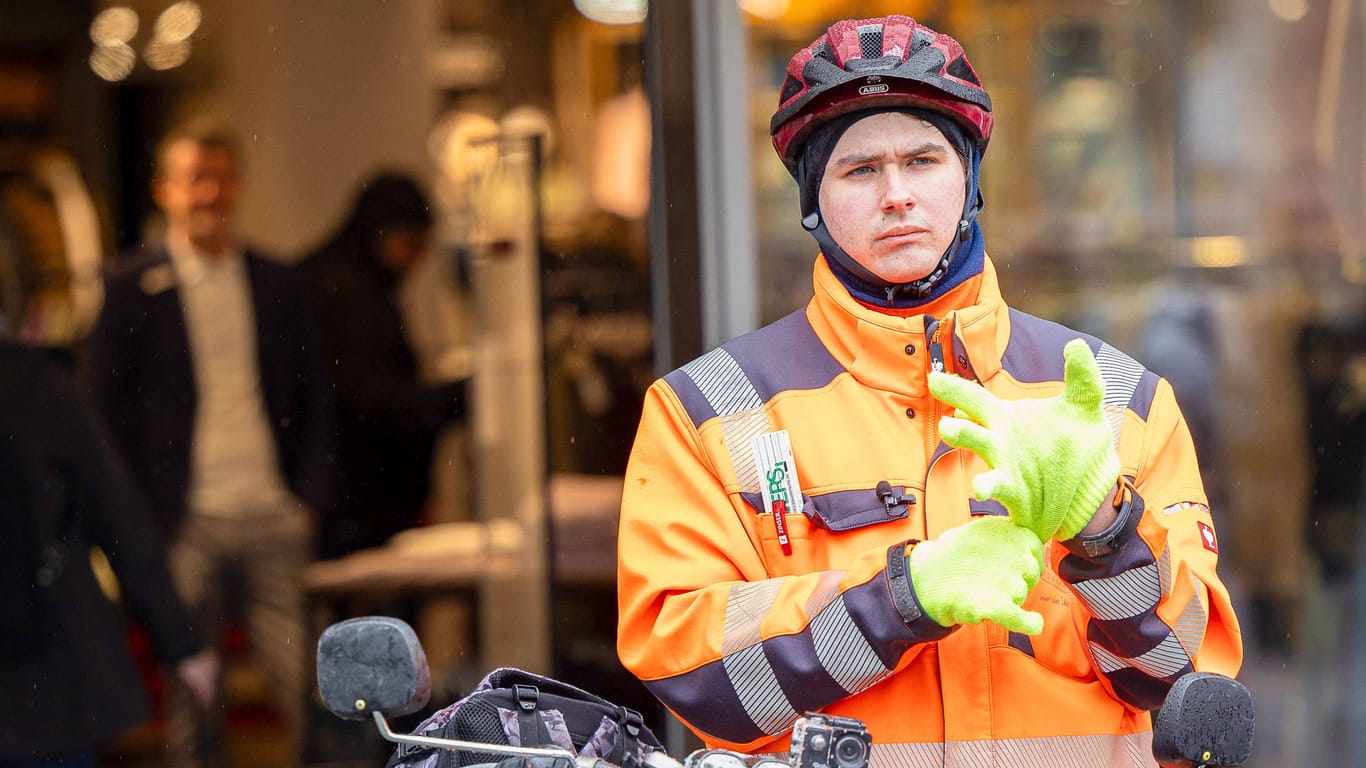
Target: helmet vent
791, 87
959, 68
822, 51
870, 41
919, 39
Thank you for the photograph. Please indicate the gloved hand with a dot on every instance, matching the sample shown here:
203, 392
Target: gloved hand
979, 571
1052, 459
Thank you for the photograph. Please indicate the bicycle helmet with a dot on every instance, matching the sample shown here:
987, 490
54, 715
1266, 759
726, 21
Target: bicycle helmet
877, 63
887, 63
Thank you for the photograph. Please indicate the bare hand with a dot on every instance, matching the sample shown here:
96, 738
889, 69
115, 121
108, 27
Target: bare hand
199, 675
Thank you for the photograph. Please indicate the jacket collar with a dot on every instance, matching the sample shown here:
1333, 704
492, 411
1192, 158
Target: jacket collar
871, 343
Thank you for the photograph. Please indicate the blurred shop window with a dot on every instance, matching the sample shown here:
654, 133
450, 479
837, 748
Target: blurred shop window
1332, 357
1079, 180
621, 155
598, 345
598, 332
1098, 176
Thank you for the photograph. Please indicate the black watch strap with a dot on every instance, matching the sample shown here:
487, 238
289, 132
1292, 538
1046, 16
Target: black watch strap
899, 582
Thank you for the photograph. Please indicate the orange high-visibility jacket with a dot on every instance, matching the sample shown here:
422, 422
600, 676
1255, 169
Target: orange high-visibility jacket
739, 636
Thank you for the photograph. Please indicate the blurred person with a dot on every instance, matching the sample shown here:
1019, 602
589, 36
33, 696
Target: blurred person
387, 416
979, 532
205, 362
69, 685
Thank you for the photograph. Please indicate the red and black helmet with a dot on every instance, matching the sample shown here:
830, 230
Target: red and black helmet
867, 63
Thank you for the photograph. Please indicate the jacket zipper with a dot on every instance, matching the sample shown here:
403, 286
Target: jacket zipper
933, 328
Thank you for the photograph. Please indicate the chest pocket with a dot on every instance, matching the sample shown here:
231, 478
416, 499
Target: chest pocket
849, 510
850, 515
831, 527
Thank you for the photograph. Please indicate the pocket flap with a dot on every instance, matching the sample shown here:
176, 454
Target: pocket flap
847, 510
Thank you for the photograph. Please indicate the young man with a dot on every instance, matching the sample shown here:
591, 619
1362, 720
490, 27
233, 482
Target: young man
981, 533
207, 366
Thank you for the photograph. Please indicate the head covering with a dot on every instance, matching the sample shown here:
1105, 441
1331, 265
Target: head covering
389, 201
821, 143
861, 67
386, 202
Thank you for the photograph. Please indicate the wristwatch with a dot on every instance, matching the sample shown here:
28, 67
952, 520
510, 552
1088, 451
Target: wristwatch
899, 581
1128, 511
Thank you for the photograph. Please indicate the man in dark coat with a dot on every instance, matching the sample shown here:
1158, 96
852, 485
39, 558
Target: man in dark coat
206, 364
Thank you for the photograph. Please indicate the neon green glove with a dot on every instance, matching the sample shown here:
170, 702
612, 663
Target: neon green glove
1052, 460
979, 571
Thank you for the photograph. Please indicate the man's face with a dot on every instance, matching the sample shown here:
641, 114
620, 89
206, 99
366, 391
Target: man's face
893, 195
197, 189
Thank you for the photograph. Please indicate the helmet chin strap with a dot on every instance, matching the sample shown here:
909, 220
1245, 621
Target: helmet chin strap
814, 222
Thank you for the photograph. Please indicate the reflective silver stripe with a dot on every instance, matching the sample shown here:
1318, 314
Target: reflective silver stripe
1121, 597
843, 650
1190, 626
1176, 649
1164, 570
722, 381
747, 668
917, 755
1164, 660
826, 590
841, 647
730, 393
1121, 374
746, 607
739, 430
758, 690
1132, 750
1103, 751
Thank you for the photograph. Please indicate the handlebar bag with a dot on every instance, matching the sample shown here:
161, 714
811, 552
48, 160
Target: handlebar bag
514, 707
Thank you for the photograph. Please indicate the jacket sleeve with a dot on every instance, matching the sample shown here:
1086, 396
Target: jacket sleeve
735, 654
1152, 604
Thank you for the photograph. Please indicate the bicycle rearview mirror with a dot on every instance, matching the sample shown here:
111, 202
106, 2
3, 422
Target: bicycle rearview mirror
372, 664
1206, 720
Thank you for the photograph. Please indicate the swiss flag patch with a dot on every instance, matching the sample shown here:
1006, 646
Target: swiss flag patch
1207, 537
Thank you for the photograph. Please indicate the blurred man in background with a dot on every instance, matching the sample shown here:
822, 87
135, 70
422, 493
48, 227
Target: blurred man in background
206, 362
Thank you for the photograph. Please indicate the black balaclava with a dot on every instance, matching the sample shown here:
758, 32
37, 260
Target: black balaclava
963, 258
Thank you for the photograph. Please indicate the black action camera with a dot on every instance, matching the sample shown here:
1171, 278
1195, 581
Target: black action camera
826, 741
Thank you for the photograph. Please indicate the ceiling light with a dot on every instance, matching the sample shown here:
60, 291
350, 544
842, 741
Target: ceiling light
613, 11
114, 26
